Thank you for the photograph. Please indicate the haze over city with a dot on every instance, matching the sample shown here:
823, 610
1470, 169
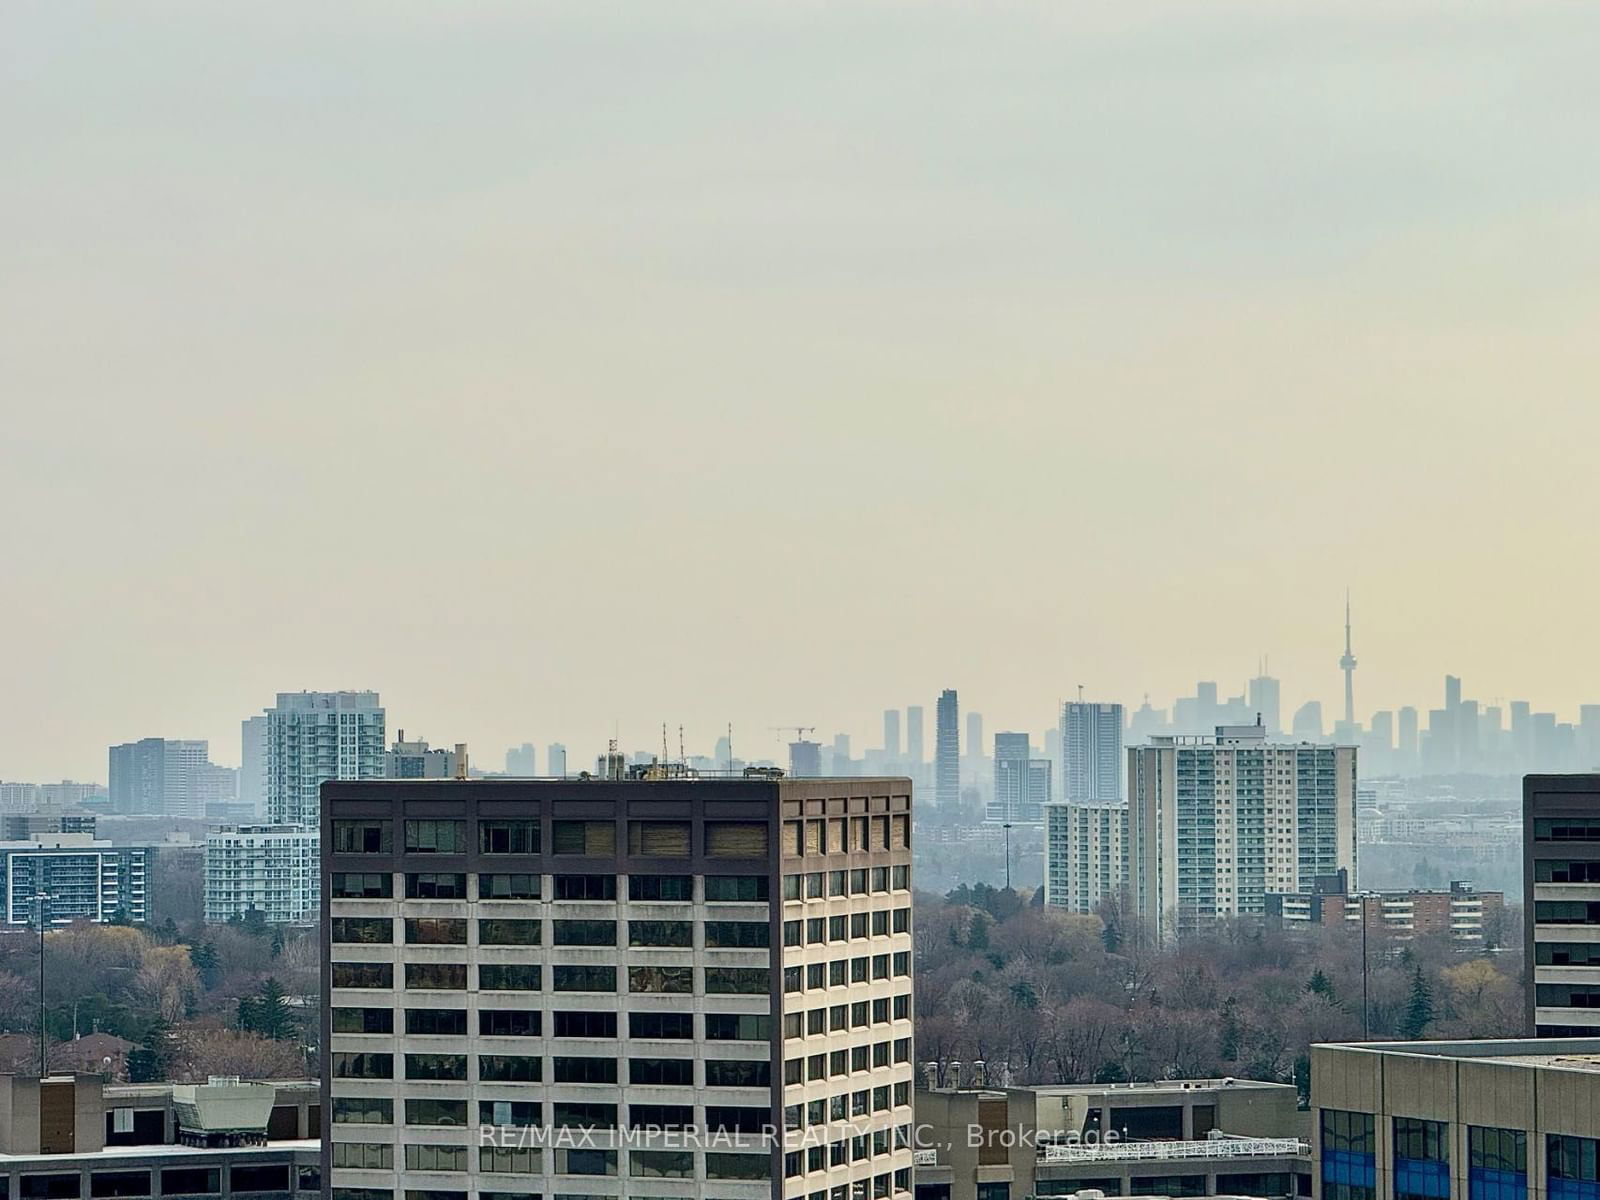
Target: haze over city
495, 357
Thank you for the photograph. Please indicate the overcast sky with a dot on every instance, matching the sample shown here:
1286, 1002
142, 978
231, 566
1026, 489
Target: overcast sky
551, 367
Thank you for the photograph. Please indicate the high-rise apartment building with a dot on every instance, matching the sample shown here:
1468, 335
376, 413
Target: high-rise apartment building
914, 747
167, 776
555, 760
682, 987
80, 879
891, 733
1086, 854
1561, 908
1021, 782
1091, 752
1215, 823
974, 735
947, 752
253, 764
310, 738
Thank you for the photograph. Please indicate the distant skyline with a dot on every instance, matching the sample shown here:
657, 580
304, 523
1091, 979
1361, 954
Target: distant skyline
559, 367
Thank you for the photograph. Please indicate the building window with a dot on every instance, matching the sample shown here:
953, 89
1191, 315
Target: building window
361, 885
1421, 1159
175, 1181
510, 1068
436, 837
363, 1020
673, 1072
659, 839
516, 1113
679, 980
586, 1162
743, 1166
738, 981
573, 1114
361, 837
596, 839
738, 935
674, 888
124, 1183
503, 931
509, 977
438, 1022
738, 1073
363, 1110
436, 1067
575, 978
736, 839
508, 837
509, 1160
586, 887
363, 1156
662, 1164
353, 1065
586, 1023
660, 1116
1349, 1156
370, 931
1497, 1163
661, 933
736, 888
436, 885
436, 931
584, 1070
436, 976
1570, 1168
508, 1022
584, 933
436, 1158
674, 1026
516, 885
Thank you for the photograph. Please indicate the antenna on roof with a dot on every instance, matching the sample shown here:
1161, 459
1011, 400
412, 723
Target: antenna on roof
682, 757
730, 747
663, 742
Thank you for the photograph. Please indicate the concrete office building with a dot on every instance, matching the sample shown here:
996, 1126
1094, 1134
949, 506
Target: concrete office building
1091, 753
632, 958
1086, 854
1480, 1120
1200, 1137
82, 880
947, 752
1561, 903
270, 869
1216, 823
69, 1136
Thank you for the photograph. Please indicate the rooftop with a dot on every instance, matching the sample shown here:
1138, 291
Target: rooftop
1558, 1054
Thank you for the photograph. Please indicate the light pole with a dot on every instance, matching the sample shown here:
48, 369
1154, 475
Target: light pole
41, 897
1366, 1031
1007, 827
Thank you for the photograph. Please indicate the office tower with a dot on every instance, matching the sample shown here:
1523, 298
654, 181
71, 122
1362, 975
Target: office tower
1091, 752
975, 735
271, 869
1466, 731
1216, 823
1145, 721
1589, 737
841, 762
1406, 739
1308, 722
1264, 702
891, 733
81, 879
805, 759
1021, 782
914, 753
555, 760
1377, 749
1522, 734
1086, 855
1052, 744
311, 738
522, 760
414, 760
1561, 903
1347, 664
253, 765
164, 776
656, 974
947, 752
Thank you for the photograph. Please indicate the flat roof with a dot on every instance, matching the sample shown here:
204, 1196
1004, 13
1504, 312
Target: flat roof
1554, 1054
75, 1160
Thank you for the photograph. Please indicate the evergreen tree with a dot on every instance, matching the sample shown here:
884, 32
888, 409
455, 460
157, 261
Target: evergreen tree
1111, 937
277, 941
1320, 984
1231, 1035
276, 1021
1419, 1008
206, 961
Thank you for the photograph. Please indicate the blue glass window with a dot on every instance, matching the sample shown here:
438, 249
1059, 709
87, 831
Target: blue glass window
1349, 1156
1497, 1163
1421, 1159
1571, 1168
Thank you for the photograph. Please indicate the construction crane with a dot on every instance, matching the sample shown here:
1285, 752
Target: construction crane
800, 731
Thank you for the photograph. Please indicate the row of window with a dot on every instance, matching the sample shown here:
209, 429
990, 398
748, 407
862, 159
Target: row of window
573, 977
175, 1181
1566, 829
666, 1026
876, 1188
858, 1015
728, 1073
846, 1106
845, 835
507, 1160
859, 881
719, 1118
524, 885
507, 931
845, 1062
813, 976
1566, 870
592, 839
816, 931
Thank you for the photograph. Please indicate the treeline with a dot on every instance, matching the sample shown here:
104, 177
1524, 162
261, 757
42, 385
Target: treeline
238, 999
1044, 997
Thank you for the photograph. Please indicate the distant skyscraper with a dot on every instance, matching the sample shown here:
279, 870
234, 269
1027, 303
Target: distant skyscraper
253, 765
914, 752
974, 735
1308, 721
1406, 737
842, 764
891, 733
1091, 752
1021, 782
414, 760
947, 752
1347, 664
162, 776
805, 760
1195, 809
1263, 692
522, 760
555, 760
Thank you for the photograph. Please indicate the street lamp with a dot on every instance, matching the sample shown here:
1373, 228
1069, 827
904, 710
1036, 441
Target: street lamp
1007, 827
41, 897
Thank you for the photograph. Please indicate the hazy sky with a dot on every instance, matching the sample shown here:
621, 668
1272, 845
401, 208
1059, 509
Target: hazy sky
545, 366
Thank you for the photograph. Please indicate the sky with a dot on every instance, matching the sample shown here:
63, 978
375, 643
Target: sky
558, 369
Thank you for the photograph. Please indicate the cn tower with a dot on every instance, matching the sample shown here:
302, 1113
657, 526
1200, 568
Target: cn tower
1347, 664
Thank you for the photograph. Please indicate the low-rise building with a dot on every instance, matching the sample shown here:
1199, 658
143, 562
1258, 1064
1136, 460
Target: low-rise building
1177, 1138
72, 1137
1460, 912
1481, 1120
78, 877
271, 869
